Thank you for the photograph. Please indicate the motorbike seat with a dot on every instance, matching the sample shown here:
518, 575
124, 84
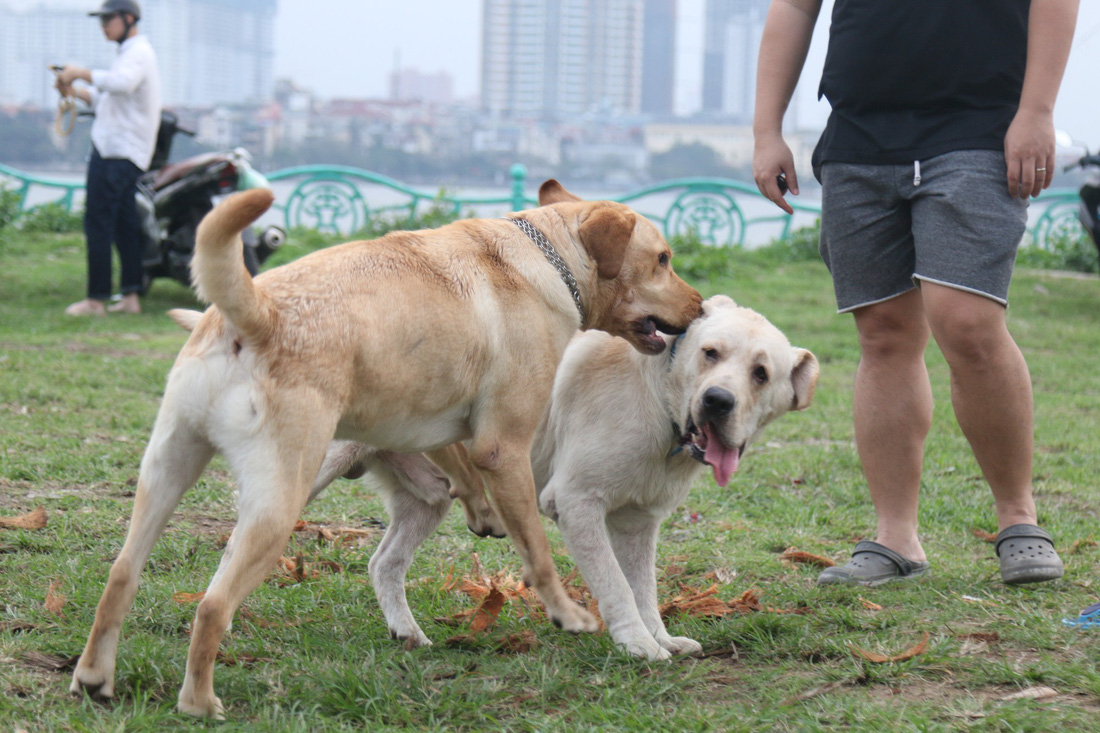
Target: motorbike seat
174, 171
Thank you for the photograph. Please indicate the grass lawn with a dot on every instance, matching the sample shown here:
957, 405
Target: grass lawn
78, 399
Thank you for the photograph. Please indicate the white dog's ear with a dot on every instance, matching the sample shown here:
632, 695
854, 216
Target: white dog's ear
804, 378
714, 302
605, 233
552, 192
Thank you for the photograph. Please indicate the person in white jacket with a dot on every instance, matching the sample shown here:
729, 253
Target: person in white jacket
127, 103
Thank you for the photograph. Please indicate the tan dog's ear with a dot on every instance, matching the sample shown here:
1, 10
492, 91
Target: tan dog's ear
804, 378
552, 192
606, 233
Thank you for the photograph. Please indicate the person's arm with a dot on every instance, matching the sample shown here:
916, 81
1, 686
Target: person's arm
783, 48
1029, 144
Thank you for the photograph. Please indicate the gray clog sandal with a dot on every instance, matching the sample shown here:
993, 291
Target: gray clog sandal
1027, 555
871, 565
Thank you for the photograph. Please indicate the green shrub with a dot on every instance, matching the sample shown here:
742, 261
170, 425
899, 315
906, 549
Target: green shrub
52, 218
9, 206
1072, 251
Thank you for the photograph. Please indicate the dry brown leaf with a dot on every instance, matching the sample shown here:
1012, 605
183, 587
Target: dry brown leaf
184, 597
909, 653
246, 613
486, 613
32, 520
805, 558
986, 637
54, 601
981, 534
243, 660
1078, 545
520, 643
869, 605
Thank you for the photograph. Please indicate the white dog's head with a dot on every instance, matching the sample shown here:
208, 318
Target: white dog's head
733, 373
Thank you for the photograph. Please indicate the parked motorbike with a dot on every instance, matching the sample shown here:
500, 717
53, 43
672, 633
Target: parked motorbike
172, 198
1089, 211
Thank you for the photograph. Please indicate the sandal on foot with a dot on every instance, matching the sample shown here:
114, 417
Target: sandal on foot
1027, 555
873, 564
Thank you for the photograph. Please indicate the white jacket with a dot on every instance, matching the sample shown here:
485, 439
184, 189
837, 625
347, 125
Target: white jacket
126, 100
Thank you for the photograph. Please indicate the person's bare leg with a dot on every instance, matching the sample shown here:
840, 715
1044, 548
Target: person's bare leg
892, 406
991, 394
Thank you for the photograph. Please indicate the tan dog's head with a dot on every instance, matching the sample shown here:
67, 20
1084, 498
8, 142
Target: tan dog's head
638, 293
733, 373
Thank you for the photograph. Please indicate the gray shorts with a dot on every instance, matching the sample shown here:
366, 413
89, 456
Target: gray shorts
881, 234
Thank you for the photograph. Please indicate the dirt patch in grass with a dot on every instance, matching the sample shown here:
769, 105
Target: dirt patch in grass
26, 493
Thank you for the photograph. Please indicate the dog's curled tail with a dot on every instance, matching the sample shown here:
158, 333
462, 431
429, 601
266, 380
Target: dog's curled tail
217, 268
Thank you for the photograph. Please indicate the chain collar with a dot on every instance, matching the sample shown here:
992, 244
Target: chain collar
543, 243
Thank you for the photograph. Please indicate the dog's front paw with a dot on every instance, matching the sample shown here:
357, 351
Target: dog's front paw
574, 619
99, 684
680, 644
210, 707
411, 638
647, 648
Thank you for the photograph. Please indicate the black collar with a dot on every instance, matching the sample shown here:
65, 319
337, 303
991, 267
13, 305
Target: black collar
555, 259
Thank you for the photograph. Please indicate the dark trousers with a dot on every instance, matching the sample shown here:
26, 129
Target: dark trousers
110, 216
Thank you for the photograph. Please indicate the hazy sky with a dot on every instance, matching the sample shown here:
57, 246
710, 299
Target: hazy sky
349, 48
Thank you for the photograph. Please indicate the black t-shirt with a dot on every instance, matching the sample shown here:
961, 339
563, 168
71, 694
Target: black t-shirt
910, 79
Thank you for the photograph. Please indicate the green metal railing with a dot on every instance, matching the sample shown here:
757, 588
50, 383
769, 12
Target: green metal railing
718, 211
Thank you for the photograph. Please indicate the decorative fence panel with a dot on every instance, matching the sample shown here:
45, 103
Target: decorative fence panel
721, 212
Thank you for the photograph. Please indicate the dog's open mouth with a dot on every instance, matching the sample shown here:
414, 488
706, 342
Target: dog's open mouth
647, 329
707, 447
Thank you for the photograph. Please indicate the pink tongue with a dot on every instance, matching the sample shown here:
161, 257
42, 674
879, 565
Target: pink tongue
722, 459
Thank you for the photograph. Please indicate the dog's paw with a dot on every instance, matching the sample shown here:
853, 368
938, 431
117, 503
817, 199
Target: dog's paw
680, 644
646, 647
209, 708
412, 638
98, 684
574, 619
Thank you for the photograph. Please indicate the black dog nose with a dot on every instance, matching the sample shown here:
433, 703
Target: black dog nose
718, 403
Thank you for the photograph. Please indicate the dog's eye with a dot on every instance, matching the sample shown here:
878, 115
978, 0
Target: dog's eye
760, 375
662, 260
710, 354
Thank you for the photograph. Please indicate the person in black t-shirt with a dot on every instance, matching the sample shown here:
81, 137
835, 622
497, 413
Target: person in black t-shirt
941, 129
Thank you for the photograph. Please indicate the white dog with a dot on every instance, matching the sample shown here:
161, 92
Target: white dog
623, 438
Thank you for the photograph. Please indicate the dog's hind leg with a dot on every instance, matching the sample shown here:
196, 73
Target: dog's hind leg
276, 471
173, 460
467, 486
417, 499
344, 458
634, 539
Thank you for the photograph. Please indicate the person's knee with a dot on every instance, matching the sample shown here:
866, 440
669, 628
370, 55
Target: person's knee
891, 331
971, 335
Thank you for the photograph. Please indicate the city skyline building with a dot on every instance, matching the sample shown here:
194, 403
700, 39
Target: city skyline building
208, 51
731, 41
553, 58
659, 58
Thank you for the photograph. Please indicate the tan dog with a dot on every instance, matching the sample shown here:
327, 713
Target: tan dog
408, 343
623, 439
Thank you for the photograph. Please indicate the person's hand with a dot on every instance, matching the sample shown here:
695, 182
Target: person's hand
1029, 153
772, 157
66, 90
66, 76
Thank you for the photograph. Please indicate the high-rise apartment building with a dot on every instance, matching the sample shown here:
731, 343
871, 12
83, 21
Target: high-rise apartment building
557, 58
731, 43
658, 57
209, 51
